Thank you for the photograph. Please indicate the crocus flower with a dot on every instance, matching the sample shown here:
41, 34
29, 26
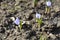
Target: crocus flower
17, 21
48, 3
38, 15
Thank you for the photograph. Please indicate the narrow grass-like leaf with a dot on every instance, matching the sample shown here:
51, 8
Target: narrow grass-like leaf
43, 37
39, 21
47, 10
20, 25
35, 2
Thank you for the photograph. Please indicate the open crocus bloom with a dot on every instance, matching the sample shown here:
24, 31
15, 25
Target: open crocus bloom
48, 3
38, 15
17, 21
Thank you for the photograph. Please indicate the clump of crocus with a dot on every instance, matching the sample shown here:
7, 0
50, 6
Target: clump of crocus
18, 22
48, 4
38, 19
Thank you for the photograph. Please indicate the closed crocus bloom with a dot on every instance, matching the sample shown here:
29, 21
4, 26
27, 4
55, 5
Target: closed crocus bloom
17, 21
48, 3
38, 15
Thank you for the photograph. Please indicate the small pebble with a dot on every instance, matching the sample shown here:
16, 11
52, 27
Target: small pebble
12, 18
52, 36
23, 22
4, 37
28, 22
58, 24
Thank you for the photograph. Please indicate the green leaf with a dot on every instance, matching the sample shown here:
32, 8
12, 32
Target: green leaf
39, 21
20, 25
35, 2
47, 9
43, 37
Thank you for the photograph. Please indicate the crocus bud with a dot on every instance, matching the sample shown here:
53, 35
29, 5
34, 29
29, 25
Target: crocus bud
48, 3
38, 15
17, 21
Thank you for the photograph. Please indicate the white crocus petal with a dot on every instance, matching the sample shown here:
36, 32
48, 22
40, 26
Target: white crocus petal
17, 21
48, 3
38, 15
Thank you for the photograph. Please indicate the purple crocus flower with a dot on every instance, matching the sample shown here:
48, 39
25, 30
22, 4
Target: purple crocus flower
38, 15
17, 21
48, 3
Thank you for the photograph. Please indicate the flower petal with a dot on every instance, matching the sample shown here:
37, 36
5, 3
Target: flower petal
17, 21
48, 3
38, 15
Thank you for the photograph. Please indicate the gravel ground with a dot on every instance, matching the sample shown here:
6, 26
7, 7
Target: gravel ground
25, 10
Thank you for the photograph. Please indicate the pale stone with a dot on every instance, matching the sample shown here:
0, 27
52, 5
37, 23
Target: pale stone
12, 18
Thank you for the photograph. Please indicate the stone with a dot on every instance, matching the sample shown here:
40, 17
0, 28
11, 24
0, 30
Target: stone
53, 15
46, 22
52, 36
27, 22
55, 20
56, 8
33, 38
23, 22
58, 24
12, 18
